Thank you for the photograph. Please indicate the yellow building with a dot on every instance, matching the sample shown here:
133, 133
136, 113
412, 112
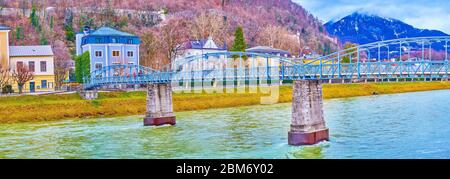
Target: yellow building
39, 60
4, 46
317, 62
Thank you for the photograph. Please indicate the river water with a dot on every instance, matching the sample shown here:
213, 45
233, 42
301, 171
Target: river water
410, 125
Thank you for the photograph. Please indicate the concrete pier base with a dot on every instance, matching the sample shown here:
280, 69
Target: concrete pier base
307, 124
150, 121
89, 94
307, 138
159, 105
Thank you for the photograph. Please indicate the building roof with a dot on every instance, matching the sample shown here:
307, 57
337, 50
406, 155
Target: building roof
196, 44
107, 31
26, 51
106, 35
267, 50
2, 27
200, 44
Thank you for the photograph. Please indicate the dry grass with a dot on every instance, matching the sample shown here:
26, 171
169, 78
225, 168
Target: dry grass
56, 107
351, 90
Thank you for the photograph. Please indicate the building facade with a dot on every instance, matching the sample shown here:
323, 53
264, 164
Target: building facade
200, 47
274, 56
39, 60
108, 46
194, 48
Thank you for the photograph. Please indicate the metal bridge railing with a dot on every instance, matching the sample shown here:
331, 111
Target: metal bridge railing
423, 57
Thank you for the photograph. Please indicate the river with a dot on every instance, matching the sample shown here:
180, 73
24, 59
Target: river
410, 125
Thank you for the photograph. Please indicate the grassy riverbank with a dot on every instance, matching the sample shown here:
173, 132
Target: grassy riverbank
56, 107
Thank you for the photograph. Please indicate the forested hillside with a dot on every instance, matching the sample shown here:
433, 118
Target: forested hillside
162, 24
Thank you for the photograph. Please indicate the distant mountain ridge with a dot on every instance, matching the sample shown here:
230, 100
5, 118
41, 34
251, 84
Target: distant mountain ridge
363, 28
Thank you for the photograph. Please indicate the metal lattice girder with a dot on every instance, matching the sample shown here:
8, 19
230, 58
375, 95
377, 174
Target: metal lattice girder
253, 66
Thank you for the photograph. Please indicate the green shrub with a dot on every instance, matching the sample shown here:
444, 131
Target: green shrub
7, 89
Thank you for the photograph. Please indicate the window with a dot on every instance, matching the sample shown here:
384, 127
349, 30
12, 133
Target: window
98, 54
130, 63
19, 64
50, 85
98, 66
31, 66
130, 41
98, 40
43, 66
116, 53
43, 84
130, 54
113, 40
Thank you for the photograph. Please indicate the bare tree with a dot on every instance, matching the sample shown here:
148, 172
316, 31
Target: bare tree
206, 24
23, 6
150, 46
2, 4
62, 63
21, 75
278, 37
4, 76
173, 36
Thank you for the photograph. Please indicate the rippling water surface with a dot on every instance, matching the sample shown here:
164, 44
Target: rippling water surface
411, 125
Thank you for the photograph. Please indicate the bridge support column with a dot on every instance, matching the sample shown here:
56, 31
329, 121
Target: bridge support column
159, 105
307, 124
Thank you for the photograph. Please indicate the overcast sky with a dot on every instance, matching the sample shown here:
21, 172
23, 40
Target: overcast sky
429, 14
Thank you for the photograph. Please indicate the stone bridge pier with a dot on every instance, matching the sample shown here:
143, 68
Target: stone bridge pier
159, 105
308, 124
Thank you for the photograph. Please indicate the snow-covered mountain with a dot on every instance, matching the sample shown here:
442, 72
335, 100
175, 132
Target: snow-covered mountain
362, 28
